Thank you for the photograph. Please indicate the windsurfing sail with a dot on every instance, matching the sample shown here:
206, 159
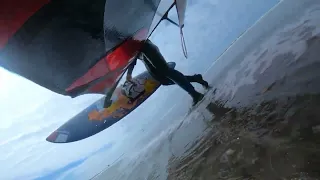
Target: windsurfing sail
75, 47
181, 6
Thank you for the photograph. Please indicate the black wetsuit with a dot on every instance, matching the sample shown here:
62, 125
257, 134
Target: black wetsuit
157, 65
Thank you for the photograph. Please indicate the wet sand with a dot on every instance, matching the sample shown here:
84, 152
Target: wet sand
262, 118
266, 122
276, 139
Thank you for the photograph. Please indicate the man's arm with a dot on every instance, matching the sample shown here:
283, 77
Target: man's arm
130, 70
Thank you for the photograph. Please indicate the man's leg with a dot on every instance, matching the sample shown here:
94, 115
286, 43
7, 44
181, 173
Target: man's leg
198, 79
154, 57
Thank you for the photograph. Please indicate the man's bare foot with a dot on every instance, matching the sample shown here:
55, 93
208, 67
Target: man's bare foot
200, 80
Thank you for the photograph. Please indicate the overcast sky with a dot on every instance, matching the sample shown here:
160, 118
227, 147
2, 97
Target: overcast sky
29, 113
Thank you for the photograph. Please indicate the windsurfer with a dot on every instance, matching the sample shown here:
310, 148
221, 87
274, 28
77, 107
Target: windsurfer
157, 65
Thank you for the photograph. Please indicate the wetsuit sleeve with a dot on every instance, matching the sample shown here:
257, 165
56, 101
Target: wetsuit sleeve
131, 67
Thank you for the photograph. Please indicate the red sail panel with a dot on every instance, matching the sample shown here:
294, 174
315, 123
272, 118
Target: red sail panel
112, 65
13, 14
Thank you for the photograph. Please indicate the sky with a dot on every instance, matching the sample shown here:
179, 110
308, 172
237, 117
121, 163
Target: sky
29, 113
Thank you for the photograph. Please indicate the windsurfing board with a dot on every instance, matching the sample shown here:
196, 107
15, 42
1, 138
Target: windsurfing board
94, 119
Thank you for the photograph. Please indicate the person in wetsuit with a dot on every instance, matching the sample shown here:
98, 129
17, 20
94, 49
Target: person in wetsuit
158, 67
